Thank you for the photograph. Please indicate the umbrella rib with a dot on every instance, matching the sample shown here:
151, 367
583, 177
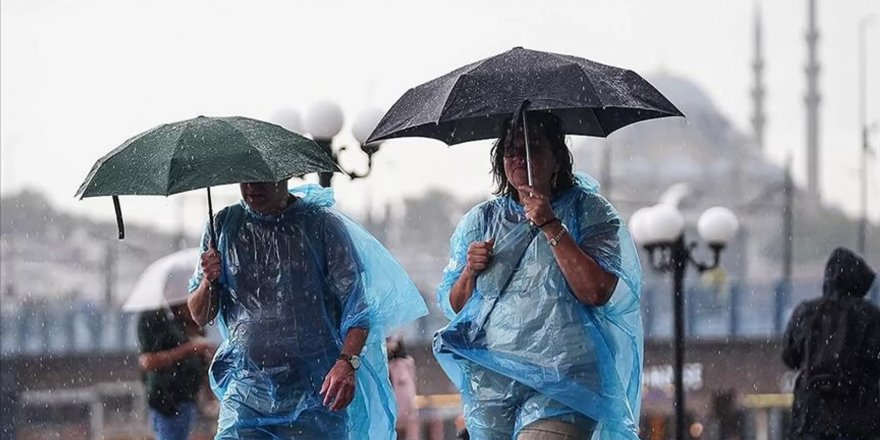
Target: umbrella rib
170, 162
94, 171
252, 148
566, 59
601, 99
452, 89
598, 124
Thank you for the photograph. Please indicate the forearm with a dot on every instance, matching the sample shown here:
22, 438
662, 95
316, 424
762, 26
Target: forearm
200, 304
589, 282
355, 340
164, 359
462, 289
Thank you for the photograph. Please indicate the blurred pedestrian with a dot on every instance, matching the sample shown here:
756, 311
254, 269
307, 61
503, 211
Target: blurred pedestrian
402, 371
834, 343
304, 298
174, 360
542, 289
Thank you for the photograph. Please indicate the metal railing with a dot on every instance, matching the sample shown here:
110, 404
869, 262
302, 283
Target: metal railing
732, 310
106, 410
59, 330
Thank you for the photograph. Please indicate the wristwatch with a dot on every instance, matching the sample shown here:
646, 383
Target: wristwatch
555, 240
352, 359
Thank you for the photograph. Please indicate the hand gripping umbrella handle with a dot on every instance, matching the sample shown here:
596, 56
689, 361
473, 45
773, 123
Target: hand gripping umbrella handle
214, 300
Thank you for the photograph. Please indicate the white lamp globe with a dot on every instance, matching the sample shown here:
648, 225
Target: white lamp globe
665, 224
365, 122
717, 225
637, 225
289, 119
324, 120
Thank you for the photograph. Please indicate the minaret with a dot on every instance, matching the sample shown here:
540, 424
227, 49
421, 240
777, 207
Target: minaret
759, 119
812, 99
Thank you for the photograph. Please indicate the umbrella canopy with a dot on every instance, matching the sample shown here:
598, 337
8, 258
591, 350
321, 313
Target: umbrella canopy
201, 153
473, 102
163, 283
204, 152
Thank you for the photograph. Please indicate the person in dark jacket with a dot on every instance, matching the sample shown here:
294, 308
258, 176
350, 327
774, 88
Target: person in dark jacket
834, 342
174, 361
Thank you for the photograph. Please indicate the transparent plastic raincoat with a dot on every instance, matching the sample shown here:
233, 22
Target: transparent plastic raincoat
523, 348
295, 283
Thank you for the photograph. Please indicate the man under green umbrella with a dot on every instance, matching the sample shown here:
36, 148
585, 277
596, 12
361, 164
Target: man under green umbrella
307, 298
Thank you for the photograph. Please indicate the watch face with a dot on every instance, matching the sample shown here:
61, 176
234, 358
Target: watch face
355, 362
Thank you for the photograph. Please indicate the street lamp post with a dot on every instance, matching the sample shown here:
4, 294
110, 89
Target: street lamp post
324, 121
863, 128
783, 293
660, 230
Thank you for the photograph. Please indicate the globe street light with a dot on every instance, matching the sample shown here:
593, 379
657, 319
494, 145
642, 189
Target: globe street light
290, 119
660, 230
324, 121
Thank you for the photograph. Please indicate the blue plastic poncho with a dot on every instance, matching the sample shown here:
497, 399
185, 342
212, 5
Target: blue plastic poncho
295, 283
523, 348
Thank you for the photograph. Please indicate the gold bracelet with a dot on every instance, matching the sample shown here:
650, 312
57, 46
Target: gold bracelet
555, 240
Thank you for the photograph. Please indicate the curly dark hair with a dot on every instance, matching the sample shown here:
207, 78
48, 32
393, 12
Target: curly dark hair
542, 125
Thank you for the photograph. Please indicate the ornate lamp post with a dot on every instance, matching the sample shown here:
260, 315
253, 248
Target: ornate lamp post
660, 230
324, 121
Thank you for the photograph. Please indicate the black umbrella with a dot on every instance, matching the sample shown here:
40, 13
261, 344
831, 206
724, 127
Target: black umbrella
473, 102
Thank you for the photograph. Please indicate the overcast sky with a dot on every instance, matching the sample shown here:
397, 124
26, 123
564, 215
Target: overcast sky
79, 78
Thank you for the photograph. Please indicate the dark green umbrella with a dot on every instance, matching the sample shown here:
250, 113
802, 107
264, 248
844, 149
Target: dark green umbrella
201, 153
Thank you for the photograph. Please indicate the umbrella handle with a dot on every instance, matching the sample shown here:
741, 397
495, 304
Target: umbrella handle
214, 300
119, 223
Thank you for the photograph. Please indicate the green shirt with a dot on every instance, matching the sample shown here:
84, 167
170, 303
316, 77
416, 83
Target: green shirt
180, 382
